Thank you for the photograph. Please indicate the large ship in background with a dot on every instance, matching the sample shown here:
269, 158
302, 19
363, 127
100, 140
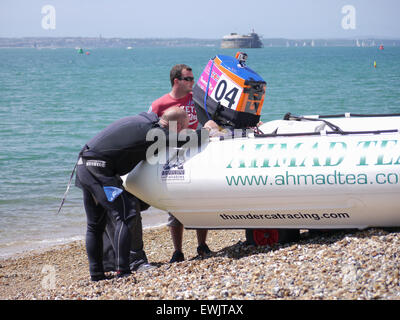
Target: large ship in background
234, 40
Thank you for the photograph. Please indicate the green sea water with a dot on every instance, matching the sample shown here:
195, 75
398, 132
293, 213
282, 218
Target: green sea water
53, 101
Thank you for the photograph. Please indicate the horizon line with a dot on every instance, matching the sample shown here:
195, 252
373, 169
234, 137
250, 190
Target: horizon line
210, 39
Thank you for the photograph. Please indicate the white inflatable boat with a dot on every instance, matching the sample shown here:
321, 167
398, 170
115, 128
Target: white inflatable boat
311, 172
298, 174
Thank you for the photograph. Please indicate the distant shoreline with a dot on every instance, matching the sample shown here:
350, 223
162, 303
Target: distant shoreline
100, 42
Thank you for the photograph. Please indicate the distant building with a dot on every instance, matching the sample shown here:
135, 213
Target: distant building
234, 40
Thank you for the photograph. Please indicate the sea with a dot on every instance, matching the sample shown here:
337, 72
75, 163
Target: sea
54, 100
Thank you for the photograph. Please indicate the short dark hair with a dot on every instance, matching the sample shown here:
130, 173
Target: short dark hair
176, 72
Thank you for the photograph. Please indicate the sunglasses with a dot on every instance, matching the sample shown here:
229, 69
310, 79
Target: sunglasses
186, 78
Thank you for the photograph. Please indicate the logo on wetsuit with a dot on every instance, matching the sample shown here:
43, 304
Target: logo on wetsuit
112, 193
96, 163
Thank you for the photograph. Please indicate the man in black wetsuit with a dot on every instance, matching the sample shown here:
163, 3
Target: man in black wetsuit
112, 153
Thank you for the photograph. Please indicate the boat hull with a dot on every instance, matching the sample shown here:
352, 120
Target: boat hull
324, 181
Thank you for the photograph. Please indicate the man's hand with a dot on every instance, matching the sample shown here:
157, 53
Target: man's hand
211, 125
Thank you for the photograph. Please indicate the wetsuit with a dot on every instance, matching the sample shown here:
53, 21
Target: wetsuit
113, 152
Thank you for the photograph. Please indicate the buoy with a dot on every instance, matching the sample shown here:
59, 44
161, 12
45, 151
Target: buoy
87, 53
381, 47
374, 64
80, 50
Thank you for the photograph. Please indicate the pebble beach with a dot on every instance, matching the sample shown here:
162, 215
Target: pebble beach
346, 265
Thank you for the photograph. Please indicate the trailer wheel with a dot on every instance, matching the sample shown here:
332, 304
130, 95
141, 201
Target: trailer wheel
262, 237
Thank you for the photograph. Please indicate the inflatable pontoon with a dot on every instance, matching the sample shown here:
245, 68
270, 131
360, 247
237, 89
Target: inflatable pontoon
301, 172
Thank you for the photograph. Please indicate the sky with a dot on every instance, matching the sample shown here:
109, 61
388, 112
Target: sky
203, 19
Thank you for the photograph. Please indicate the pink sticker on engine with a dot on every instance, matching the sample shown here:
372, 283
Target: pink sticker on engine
205, 76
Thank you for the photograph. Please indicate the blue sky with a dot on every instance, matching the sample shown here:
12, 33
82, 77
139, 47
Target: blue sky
200, 19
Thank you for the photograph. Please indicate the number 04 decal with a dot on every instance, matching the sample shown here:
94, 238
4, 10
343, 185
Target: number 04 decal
227, 92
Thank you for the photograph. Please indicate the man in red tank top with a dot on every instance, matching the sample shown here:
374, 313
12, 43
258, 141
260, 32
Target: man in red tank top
182, 81
180, 95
